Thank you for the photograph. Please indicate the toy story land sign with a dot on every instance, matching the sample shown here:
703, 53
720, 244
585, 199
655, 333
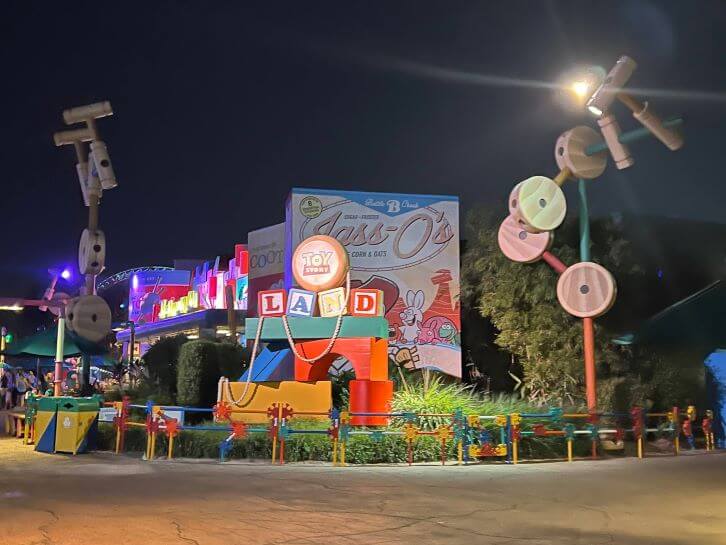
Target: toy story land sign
405, 245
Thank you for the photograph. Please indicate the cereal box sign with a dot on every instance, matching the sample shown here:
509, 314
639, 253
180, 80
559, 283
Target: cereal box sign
407, 246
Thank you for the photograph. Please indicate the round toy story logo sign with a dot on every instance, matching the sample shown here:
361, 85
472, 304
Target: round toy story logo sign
319, 263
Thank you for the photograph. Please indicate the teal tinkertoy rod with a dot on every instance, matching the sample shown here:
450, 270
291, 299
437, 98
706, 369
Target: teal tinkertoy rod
632, 136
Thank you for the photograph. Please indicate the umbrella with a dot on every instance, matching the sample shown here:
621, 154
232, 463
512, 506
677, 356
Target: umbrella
43, 345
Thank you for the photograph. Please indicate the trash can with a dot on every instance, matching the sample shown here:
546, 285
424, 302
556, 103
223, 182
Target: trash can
45, 424
76, 424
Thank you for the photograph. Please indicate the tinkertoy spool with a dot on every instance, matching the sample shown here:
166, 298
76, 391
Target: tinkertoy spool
519, 245
586, 290
92, 252
539, 204
570, 153
89, 317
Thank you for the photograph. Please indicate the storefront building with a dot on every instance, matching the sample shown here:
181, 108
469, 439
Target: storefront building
202, 300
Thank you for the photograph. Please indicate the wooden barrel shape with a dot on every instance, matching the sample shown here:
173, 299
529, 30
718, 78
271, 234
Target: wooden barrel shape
540, 204
89, 317
92, 252
519, 245
570, 153
586, 290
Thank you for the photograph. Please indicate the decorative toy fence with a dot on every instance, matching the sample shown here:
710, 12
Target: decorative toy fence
476, 437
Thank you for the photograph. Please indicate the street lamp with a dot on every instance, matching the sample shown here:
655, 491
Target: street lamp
602, 98
537, 205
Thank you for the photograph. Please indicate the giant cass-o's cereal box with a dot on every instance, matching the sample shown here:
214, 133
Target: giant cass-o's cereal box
405, 245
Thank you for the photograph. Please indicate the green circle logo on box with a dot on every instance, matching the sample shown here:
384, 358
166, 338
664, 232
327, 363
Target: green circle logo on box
542, 203
311, 207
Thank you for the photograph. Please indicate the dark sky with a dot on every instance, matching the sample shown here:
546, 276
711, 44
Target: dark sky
221, 107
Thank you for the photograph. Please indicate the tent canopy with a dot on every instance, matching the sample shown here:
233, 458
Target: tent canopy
43, 345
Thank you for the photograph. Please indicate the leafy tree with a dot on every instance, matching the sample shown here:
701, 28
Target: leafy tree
521, 302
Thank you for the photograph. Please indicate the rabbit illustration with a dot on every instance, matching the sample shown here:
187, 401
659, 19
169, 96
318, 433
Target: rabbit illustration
412, 316
437, 330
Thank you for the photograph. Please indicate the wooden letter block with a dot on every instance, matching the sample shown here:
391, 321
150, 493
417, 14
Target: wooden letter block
300, 303
271, 302
332, 302
366, 302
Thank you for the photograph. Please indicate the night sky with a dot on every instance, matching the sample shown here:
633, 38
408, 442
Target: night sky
221, 107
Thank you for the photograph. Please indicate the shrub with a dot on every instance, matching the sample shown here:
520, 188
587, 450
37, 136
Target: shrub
198, 374
232, 358
161, 361
435, 396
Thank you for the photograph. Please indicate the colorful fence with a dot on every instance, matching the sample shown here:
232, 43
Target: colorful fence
476, 437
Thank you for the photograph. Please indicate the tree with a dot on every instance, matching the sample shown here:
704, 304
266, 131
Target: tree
521, 302
160, 363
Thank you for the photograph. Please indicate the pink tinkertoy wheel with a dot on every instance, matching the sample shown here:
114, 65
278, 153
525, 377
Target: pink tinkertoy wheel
519, 245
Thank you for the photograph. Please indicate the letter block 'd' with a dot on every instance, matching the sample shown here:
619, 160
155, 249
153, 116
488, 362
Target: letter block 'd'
366, 302
332, 302
271, 302
300, 303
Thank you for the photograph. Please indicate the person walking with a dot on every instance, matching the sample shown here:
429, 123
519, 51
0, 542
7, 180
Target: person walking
10, 390
21, 386
4, 384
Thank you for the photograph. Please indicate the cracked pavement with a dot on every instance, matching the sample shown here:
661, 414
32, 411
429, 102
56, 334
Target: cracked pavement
104, 499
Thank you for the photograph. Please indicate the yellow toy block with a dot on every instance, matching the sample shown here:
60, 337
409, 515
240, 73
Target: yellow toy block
332, 302
301, 396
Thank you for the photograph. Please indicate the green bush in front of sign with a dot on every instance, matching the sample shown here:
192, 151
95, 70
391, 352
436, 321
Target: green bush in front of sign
197, 374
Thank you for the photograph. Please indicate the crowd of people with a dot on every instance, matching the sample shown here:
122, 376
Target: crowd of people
17, 384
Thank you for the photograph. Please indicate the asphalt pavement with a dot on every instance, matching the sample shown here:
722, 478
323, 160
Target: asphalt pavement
100, 498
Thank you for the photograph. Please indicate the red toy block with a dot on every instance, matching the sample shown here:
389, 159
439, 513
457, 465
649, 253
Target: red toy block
366, 302
370, 396
271, 302
367, 355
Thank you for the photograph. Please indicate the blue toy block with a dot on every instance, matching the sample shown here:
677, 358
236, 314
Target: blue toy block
274, 363
300, 303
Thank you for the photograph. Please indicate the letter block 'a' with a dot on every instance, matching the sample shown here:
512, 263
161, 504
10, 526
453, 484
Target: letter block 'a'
366, 302
300, 303
271, 302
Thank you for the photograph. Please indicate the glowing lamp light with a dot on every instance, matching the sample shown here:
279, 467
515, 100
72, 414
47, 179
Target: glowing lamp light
65, 274
14, 308
580, 88
135, 281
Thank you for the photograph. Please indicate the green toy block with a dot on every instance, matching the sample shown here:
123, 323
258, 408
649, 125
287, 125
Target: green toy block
318, 328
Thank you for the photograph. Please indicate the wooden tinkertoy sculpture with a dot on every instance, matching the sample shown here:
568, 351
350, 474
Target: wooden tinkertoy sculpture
537, 206
87, 315
349, 323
